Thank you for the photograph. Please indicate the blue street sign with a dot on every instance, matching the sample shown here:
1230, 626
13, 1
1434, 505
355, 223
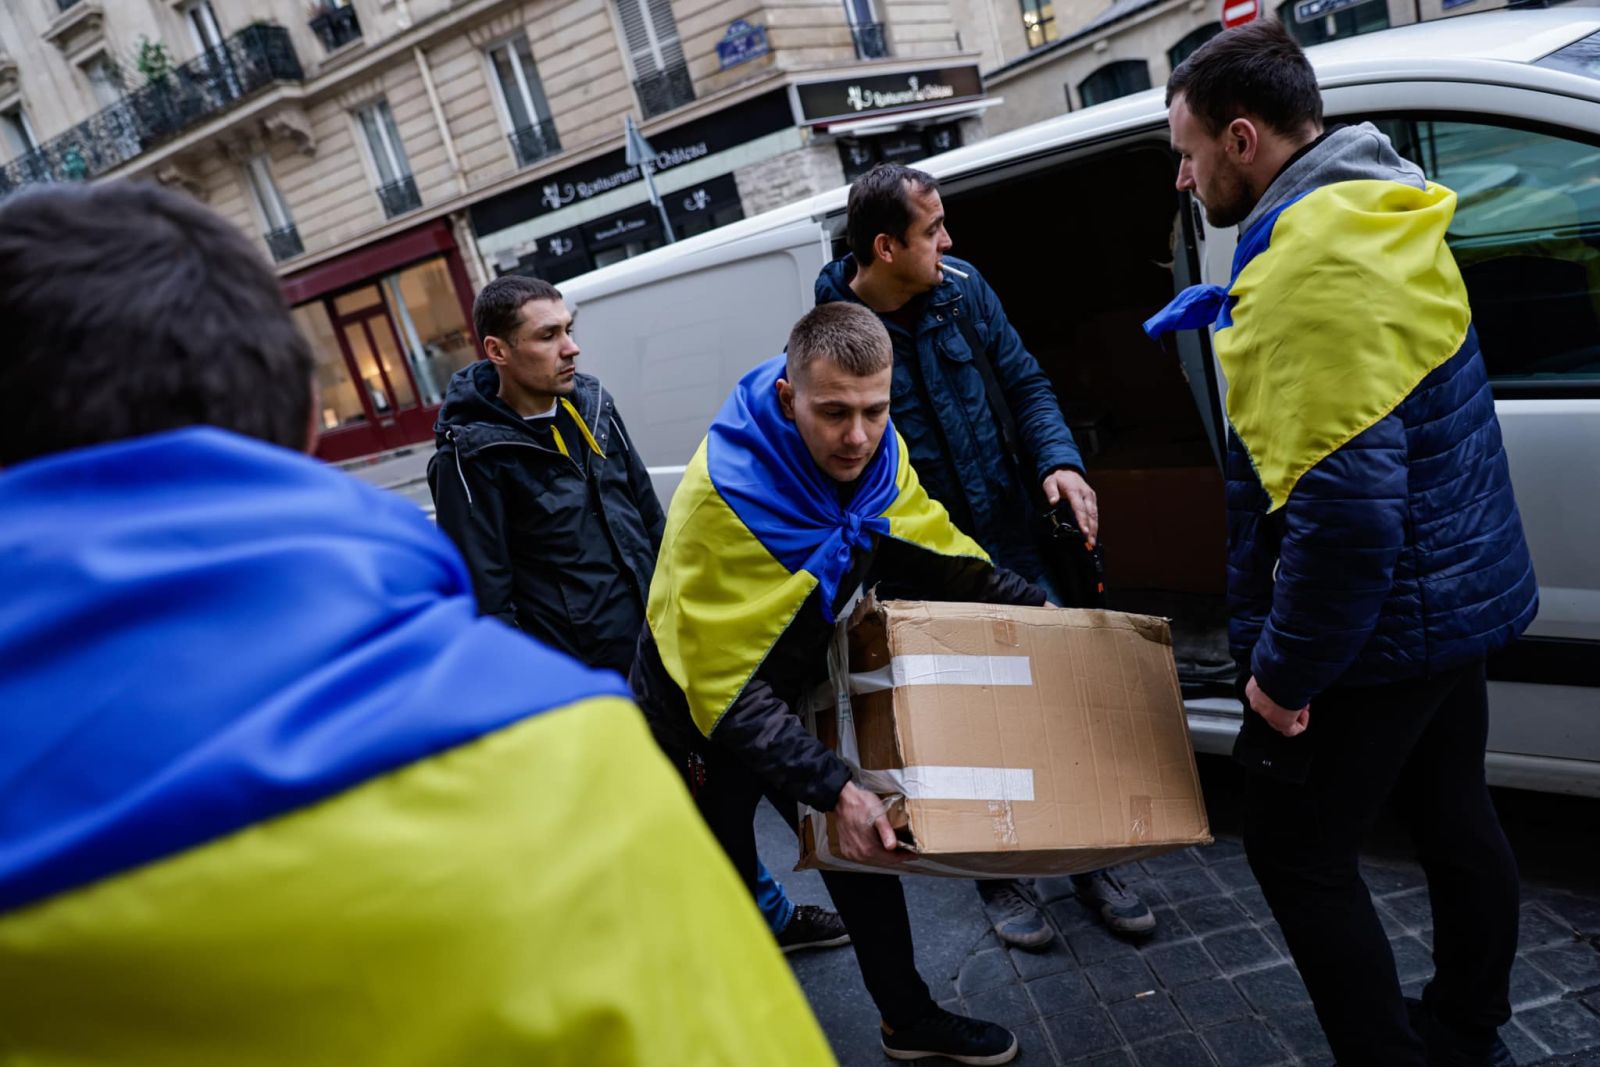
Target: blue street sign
742, 43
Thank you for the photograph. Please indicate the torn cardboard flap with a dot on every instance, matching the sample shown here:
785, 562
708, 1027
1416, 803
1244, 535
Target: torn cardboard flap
1014, 740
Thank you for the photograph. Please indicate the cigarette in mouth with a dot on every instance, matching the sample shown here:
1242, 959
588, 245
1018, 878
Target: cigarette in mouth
948, 269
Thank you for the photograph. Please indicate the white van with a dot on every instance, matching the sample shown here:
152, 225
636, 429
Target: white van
1076, 224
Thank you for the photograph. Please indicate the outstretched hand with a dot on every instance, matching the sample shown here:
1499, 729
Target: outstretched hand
1070, 486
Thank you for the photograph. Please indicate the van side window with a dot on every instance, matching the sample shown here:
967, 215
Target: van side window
1526, 234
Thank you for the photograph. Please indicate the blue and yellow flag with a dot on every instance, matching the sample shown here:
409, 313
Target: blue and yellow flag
274, 794
1341, 302
755, 526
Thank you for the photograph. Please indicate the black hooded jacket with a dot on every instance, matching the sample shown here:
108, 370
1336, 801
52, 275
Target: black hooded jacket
560, 546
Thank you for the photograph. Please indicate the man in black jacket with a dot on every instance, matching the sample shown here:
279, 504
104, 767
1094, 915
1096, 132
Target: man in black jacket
801, 495
539, 485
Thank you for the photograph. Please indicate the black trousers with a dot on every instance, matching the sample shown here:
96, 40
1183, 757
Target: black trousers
1420, 743
873, 906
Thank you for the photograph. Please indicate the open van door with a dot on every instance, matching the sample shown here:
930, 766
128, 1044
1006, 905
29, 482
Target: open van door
1082, 240
669, 335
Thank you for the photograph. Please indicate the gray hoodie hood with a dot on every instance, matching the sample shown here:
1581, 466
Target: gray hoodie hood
1348, 153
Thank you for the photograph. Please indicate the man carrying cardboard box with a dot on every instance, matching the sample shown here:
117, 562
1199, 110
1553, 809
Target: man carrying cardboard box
800, 494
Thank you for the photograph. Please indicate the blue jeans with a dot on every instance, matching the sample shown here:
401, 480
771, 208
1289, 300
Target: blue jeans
775, 905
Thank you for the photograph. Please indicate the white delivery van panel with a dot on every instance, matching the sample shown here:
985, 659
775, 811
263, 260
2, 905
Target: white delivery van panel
669, 340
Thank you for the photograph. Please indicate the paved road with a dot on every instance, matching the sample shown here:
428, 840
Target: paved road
1214, 986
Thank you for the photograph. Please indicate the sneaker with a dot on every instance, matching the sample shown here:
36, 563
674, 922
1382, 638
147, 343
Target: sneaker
1447, 1048
955, 1037
813, 927
1017, 919
1121, 910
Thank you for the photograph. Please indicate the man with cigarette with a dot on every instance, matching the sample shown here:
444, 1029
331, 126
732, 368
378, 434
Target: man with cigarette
937, 310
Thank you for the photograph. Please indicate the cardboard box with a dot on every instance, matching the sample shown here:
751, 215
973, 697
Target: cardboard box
1013, 740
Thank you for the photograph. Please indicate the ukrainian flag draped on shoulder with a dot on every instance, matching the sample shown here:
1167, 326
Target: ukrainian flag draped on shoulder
274, 794
755, 526
1342, 300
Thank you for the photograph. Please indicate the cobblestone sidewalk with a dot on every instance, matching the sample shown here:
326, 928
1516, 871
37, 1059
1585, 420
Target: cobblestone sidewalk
1213, 987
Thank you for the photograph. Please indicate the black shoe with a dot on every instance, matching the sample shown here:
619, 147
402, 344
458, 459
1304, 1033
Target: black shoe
1449, 1048
1016, 918
955, 1037
1118, 907
812, 927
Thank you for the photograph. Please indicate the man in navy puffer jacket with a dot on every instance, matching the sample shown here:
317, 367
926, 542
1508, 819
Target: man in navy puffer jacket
1376, 556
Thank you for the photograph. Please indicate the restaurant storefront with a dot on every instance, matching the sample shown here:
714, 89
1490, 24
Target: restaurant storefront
598, 212
389, 324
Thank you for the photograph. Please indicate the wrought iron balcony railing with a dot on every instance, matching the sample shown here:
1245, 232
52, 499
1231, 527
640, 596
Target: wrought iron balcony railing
870, 40
163, 108
664, 90
337, 27
285, 243
535, 142
400, 197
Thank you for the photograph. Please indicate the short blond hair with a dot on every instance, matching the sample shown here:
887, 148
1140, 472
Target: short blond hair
850, 335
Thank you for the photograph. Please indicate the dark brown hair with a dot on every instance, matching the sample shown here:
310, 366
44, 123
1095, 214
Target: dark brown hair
1256, 69
498, 309
880, 202
130, 309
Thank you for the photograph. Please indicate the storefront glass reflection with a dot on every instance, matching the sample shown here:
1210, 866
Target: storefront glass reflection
431, 324
338, 403
415, 312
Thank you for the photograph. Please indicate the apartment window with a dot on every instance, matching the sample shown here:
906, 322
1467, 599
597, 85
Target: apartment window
1039, 21
1121, 78
17, 131
204, 30
281, 236
866, 29
1191, 41
396, 187
105, 81
522, 101
1315, 28
661, 77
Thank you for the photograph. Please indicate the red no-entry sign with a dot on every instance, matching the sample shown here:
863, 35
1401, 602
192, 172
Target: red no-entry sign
1239, 12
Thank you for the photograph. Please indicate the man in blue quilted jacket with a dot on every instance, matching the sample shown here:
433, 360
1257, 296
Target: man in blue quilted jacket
1376, 556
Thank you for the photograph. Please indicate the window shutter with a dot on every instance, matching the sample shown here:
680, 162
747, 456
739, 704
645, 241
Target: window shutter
636, 31
670, 49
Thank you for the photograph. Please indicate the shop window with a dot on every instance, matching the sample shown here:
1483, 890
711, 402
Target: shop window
1526, 234
1190, 42
1121, 78
1039, 22
428, 314
523, 106
338, 404
1309, 27
861, 154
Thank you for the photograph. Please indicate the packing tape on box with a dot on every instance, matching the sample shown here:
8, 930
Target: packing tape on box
963, 783
943, 670
998, 786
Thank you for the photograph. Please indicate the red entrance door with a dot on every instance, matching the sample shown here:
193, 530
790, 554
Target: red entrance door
379, 368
